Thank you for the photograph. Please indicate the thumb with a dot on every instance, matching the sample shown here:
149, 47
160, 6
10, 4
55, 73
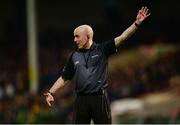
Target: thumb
48, 102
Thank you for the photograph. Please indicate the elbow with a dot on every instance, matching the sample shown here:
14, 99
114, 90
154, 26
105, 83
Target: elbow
120, 39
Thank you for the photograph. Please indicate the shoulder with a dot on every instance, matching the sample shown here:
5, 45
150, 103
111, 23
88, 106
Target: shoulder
106, 44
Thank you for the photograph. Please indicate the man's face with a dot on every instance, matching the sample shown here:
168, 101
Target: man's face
80, 38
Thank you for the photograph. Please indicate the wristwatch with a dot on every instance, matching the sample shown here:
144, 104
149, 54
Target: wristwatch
51, 93
136, 24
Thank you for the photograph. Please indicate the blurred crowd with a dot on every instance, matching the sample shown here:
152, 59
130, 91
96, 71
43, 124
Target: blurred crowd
140, 78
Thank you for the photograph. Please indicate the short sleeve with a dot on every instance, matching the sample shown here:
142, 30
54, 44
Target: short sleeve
68, 70
109, 47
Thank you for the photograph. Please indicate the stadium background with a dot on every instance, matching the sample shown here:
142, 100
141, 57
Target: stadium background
144, 76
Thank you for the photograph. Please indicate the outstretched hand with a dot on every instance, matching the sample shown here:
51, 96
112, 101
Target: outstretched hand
142, 14
49, 98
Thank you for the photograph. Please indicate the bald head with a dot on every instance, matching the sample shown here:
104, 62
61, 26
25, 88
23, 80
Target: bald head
86, 30
83, 36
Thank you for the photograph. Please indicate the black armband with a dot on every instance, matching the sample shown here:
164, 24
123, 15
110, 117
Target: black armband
51, 93
137, 25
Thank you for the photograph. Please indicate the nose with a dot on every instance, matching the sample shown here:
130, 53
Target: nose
75, 39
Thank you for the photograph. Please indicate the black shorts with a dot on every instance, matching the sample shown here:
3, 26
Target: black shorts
92, 106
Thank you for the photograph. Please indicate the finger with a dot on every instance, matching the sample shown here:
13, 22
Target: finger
146, 11
148, 14
140, 11
142, 8
145, 8
48, 102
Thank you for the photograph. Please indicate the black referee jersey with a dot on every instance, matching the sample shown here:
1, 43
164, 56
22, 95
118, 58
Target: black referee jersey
89, 67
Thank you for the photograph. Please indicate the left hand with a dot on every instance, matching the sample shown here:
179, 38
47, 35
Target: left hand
142, 15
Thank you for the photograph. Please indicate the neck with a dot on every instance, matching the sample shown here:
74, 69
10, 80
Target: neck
88, 45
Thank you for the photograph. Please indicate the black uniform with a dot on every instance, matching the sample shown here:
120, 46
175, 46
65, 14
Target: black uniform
89, 67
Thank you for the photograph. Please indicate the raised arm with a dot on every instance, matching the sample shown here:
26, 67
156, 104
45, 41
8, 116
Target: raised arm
141, 16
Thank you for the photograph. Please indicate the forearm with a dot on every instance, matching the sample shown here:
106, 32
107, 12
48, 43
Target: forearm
57, 85
126, 34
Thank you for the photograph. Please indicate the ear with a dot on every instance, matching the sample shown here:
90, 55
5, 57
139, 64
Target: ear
88, 36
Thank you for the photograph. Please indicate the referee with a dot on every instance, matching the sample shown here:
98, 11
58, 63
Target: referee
88, 66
